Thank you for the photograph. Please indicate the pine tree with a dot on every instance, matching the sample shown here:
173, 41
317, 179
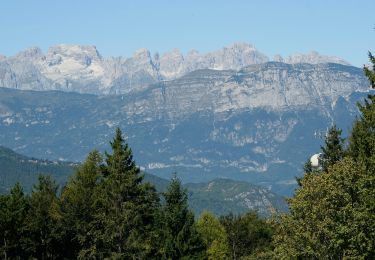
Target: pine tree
181, 239
362, 150
333, 149
43, 236
332, 216
362, 139
13, 212
128, 206
78, 206
369, 72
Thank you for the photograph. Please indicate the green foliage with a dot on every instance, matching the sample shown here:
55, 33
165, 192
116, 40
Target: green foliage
42, 222
214, 236
369, 72
332, 215
333, 149
362, 139
326, 218
128, 206
13, 210
224, 196
78, 206
25, 170
181, 239
107, 210
248, 235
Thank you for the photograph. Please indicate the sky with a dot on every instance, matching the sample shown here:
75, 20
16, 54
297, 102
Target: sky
342, 28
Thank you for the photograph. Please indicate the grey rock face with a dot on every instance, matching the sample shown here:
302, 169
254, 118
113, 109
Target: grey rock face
312, 57
270, 86
255, 124
228, 113
82, 69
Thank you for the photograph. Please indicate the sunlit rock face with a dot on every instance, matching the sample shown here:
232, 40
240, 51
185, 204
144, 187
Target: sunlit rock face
82, 69
230, 113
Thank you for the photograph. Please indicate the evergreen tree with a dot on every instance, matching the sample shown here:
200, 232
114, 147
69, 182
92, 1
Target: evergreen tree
333, 149
307, 167
362, 150
369, 72
214, 236
181, 239
13, 211
326, 219
42, 234
78, 206
129, 206
332, 216
248, 235
362, 139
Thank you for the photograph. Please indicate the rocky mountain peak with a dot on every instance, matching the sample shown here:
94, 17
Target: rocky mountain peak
172, 64
74, 51
193, 53
278, 58
312, 57
142, 54
236, 56
30, 53
81, 68
241, 46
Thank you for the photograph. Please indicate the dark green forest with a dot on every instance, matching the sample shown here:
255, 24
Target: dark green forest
107, 211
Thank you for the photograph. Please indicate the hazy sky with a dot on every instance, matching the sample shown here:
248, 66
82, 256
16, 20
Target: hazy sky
342, 28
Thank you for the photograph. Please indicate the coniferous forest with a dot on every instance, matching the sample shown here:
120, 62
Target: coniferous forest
107, 211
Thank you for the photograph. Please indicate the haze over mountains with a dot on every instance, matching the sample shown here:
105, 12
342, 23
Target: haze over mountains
231, 113
82, 68
219, 196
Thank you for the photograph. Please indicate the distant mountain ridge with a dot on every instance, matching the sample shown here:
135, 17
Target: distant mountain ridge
82, 69
222, 197
15, 167
226, 114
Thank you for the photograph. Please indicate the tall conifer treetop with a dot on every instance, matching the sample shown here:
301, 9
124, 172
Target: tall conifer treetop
333, 149
370, 73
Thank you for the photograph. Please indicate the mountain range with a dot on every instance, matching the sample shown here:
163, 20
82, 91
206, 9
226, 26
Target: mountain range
219, 196
83, 69
231, 113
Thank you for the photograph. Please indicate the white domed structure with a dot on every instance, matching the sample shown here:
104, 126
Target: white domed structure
315, 159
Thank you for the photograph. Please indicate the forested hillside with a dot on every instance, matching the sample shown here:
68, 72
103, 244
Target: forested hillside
107, 210
18, 168
228, 195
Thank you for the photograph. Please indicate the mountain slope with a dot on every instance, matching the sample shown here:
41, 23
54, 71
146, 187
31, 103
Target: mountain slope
223, 196
246, 125
18, 168
256, 123
82, 69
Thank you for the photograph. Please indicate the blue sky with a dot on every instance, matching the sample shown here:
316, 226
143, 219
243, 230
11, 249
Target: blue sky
342, 28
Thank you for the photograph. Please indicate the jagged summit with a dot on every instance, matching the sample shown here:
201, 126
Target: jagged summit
81, 68
32, 52
312, 57
74, 50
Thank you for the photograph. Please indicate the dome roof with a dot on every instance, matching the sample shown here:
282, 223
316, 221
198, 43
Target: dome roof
314, 160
